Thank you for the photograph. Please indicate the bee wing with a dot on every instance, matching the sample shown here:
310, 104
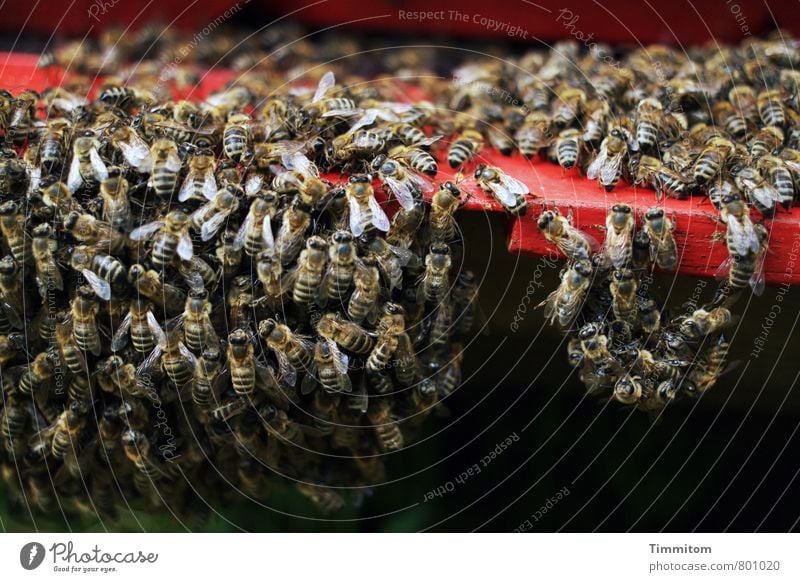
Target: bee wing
185, 248
210, 184
514, 185
186, 188
744, 236
502, 193
610, 170
573, 232
298, 161
266, 232
402, 191
173, 163
253, 184
150, 362
757, 279
12, 315
137, 154
356, 218
341, 112
429, 140
379, 218
155, 328
99, 167
144, 231
211, 227
120, 337
187, 353
421, 182
367, 119
594, 168
288, 372
327, 81
74, 179
341, 362
238, 240
101, 287
404, 256
194, 280
724, 268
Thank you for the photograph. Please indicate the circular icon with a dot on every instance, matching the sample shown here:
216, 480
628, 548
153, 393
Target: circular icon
31, 555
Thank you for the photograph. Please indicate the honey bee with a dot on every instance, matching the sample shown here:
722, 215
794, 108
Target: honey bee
748, 269
435, 283
206, 378
607, 166
363, 302
341, 267
306, 278
321, 106
139, 322
770, 107
346, 334
566, 301
623, 292
595, 121
705, 373
620, 225
44, 246
326, 500
236, 136
255, 234
558, 230
390, 327
779, 177
269, 271
387, 431
209, 218
134, 149
21, 123
534, 135
64, 434
102, 272
83, 311
711, 160
415, 157
229, 254
441, 220
87, 168
404, 182
170, 355
329, 368
36, 374
465, 148
149, 283
702, 323
172, 239
52, 150
116, 205
765, 142
93, 232
242, 363
305, 175
12, 227
166, 167
137, 450
200, 182
291, 351
568, 107
509, 191
741, 237
665, 180
198, 332
291, 234
365, 212
68, 349
659, 228
567, 148
727, 116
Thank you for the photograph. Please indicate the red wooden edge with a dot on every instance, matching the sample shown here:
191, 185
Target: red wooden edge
700, 251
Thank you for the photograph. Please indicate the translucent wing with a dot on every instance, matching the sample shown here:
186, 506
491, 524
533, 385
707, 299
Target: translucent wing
185, 247
743, 236
724, 268
502, 193
402, 191
101, 287
594, 168
298, 161
514, 185
757, 279
187, 353
404, 256
422, 183
610, 170
99, 167
379, 218
186, 188
327, 81
341, 362
144, 231
155, 328
137, 154
253, 184
287, 371
209, 184
356, 218
173, 163
266, 232
341, 112
150, 362
120, 338
211, 227
367, 119
238, 240
429, 141
74, 179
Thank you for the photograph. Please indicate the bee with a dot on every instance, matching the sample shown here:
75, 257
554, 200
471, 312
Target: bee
52, 150
228, 254
166, 167
68, 349
346, 334
534, 135
291, 234
620, 225
365, 212
321, 106
36, 374
509, 191
149, 283
640, 250
116, 205
200, 182
599, 368
387, 431
137, 450
623, 292
415, 157
567, 148
568, 107
566, 301
329, 368
659, 228
441, 220
711, 160
465, 148
767, 141
291, 351
726, 116
558, 230
390, 259
114, 376
748, 269
649, 316
741, 237
64, 435
649, 122
101, 271
326, 500
596, 113
364, 299
665, 180
269, 271
12, 227
779, 177
198, 332
409, 135
771, 109
134, 149
236, 136
702, 323
87, 168
83, 311
390, 327
305, 175
206, 376
21, 124
139, 322
242, 363
358, 144
628, 390
435, 284
607, 166
170, 355
255, 234
705, 373
172, 239
341, 266
210, 217
404, 182
406, 225
90, 231
307, 277
44, 247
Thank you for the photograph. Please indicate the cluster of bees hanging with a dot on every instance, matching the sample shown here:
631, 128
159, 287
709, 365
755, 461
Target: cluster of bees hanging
192, 308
